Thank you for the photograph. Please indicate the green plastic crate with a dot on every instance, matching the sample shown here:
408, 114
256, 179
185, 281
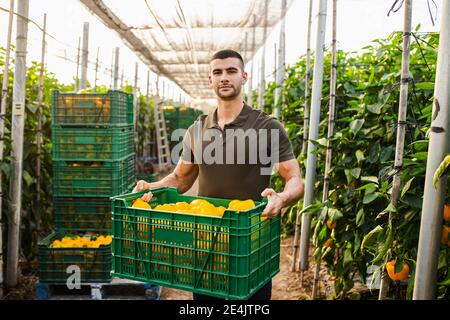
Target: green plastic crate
177, 119
91, 109
130, 108
92, 144
228, 257
149, 177
82, 214
93, 179
94, 263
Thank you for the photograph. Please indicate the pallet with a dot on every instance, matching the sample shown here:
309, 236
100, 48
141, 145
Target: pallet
117, 289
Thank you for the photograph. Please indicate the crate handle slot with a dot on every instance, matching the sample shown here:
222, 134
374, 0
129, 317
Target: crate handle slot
133, 223
217, 228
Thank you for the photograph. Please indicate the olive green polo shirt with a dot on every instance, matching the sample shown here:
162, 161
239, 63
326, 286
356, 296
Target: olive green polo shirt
236, 162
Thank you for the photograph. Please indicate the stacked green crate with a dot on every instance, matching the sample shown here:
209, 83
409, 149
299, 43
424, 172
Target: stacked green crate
179, 118
93, 160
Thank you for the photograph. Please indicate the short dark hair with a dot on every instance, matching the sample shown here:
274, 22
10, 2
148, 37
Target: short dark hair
227, 53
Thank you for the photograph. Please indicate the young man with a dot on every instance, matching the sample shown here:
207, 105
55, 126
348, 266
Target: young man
231, 170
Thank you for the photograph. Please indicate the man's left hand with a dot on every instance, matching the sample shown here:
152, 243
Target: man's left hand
274, 205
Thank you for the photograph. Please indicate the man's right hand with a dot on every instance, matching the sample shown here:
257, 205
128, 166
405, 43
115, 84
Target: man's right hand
142, 185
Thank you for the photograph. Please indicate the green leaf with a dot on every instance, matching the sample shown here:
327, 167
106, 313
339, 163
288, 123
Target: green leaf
311, 209
334, 214
370, 239
356, 172
6, 168
370, 186
441, 170
375, 108
386, 153
359, 155
360, 218
356, 125
323, 234
368, 198
323, 214
370, 179
348, 257
374, 152
420, 155
425, 85
27, 177
406, 187
32, 107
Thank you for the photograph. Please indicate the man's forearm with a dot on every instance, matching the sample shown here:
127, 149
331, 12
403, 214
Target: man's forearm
172, 180
293, 191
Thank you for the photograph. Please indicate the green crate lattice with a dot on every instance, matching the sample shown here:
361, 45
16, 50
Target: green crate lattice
99, 179
92, 109
94, 263
92, 144
230, 257
82, 214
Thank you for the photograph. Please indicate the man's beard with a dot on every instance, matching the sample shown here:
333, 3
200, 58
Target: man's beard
228, 96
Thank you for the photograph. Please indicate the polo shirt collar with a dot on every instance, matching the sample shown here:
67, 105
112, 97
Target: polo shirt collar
211, 121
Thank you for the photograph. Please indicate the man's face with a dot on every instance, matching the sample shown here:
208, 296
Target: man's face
227, 78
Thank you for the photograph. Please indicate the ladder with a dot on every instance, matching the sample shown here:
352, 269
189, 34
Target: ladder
162, 142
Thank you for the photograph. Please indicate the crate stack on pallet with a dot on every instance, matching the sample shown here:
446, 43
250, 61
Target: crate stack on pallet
93, 160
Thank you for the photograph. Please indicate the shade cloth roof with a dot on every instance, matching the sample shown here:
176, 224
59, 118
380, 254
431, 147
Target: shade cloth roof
176, 38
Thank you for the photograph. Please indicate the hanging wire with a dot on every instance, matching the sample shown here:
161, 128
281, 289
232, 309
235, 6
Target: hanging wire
39, 27
399, 3
429, 10
394, 9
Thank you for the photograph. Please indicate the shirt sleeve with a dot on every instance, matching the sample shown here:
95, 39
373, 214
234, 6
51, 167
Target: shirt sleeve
284, 146
187, 153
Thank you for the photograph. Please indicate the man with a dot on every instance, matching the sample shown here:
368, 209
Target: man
218, 163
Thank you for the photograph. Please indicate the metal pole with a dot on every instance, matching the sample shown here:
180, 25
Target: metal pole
331, 116
403, 103
245, 56
262, 82
250, 82
163, 89
136, 106
96, 71
305, 130
121, 80
275, 63
2, 129
39, 127
77, 82
281, 61
157, 85
307, 80
313, 133
116, 68
17, 129
433, 200
147, 118
84, 56
112, 68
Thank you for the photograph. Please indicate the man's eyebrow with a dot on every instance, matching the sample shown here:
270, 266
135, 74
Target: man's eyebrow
227, 69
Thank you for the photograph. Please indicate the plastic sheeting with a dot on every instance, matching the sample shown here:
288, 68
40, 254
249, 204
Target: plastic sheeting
176, 38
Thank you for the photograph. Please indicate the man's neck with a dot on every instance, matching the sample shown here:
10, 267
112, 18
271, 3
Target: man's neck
227, 111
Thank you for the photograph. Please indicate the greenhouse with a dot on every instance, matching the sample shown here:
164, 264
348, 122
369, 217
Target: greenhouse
225, 150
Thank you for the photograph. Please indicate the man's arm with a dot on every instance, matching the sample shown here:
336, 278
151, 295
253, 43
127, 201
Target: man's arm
293, 190
182, 178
